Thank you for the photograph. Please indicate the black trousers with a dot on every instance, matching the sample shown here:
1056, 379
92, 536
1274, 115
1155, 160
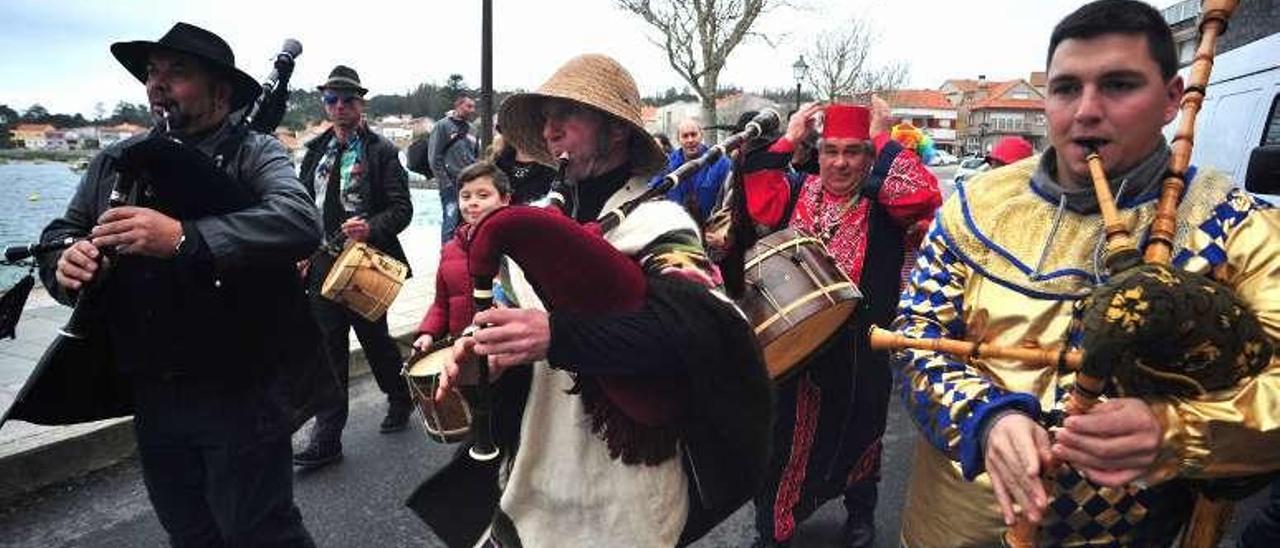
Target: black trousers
217, 462
1264, 528
336, 322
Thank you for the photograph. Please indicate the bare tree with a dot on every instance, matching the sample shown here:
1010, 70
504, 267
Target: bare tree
698, 36
840, 64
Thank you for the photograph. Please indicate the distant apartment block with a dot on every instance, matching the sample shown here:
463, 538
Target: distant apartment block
929, 110
48, 137
30, 136
988, 111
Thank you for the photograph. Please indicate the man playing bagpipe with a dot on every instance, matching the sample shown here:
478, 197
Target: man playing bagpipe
204, 312
831, 416
640, 426
1012, 260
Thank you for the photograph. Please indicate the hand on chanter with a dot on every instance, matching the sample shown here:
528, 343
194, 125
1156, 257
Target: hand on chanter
77, 265
1017, 452
1113, 444
137, 231
510, 337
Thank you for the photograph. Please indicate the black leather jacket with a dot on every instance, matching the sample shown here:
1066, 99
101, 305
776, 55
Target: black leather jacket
230, 302
387, 192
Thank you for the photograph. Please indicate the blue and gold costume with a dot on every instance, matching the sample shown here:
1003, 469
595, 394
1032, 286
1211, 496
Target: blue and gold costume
1006, 263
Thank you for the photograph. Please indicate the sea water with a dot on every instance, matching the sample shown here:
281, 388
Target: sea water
34, 193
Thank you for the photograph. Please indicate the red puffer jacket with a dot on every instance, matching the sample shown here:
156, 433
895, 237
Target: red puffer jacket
452, 310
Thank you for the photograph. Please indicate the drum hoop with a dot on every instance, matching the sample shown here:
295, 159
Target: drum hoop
437, 434
774, 250
820, 292
338, 277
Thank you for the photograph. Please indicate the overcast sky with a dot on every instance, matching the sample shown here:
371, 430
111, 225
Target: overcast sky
56, 51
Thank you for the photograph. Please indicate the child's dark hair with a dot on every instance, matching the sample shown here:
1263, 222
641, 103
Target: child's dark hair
485, 169
1120, 17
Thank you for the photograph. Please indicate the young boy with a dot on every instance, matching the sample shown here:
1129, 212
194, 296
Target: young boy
482, 188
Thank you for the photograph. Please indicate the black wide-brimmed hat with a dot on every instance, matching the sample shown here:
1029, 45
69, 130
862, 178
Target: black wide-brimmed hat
197, 42
343, 77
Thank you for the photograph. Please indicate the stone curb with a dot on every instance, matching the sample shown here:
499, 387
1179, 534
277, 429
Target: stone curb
77, 450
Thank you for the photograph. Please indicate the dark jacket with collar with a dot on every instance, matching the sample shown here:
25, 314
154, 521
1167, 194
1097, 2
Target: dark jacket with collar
386, 191
452, 149
229, 307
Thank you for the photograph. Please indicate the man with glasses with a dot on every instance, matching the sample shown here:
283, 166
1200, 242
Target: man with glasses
452, 149
362, 191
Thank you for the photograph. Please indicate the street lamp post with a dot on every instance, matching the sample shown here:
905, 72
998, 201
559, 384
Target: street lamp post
799, 70
486, 74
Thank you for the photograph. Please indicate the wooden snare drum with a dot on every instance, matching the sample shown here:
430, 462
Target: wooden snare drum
364, 280
447, 421
796, 297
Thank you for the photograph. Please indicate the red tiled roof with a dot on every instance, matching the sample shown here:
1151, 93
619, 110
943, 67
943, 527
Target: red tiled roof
966, 85
997, 99
919, 98
33, 128
1039, 78
1010, 104
728, 99
648, 112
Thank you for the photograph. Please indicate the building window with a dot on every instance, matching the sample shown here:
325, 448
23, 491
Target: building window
1007, 121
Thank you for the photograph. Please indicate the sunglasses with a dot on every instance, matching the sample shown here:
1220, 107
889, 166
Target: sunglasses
333, 98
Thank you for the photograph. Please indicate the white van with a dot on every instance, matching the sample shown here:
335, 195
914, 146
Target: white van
1238, 128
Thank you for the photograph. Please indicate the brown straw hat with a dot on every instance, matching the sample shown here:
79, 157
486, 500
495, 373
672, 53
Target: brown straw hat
593, 80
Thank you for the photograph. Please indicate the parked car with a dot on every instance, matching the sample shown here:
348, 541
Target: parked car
1238, 128
943, 158
967, 168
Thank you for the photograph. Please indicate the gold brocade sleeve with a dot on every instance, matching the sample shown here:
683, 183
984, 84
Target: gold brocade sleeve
1235, 433
948, 399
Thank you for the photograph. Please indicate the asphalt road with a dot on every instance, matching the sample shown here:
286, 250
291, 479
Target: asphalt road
944, 175
358, 502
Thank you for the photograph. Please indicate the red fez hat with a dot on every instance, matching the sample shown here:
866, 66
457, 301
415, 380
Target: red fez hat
847, 121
